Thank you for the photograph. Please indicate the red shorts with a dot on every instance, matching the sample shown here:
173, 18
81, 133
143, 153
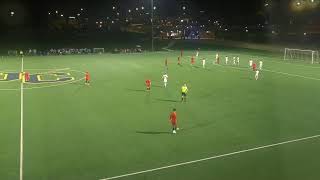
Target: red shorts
174, 122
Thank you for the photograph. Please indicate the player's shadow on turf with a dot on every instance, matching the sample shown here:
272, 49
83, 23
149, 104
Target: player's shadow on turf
79, 86
167, 100
158, 86
199, 125
153, 132
136, 90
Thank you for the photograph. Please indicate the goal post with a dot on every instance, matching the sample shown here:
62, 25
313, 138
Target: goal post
301, 55
98, 50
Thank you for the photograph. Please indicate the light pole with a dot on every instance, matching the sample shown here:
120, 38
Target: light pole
152, 42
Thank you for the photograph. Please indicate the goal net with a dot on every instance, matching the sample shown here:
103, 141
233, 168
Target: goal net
12, 53
98, 50
301, 55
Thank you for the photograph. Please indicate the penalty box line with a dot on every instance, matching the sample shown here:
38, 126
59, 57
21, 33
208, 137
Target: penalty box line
212, 157
271, 71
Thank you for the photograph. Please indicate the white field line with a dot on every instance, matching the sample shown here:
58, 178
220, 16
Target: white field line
276, 72
267, 70
55, 85
293, 75
49, 70
166, 49
212, 157
292, 63
270, 59
21, 126
18, 89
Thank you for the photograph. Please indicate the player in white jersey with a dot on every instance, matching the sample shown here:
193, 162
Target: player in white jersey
234, 60
238, 60
204, 63
165, 79
260, 65
250, 63
197, 54
227, 59
257, 74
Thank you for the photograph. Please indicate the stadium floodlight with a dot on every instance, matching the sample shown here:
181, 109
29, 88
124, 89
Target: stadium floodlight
113, 7
301, 55
129, 10
142, 7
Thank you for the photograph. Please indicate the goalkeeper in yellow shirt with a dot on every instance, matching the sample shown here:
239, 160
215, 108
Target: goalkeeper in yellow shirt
184, 91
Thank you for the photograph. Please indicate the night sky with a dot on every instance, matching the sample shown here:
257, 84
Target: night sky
35, 11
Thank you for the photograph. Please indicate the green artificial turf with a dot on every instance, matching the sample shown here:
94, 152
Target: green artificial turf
112, 127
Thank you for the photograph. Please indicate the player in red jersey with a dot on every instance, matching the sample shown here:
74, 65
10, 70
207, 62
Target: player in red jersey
192, 60
87, 78
254, 66
27, 76
166, 63
148, 84
173, 120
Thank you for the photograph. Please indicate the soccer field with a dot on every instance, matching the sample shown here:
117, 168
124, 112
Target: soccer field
232, 126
